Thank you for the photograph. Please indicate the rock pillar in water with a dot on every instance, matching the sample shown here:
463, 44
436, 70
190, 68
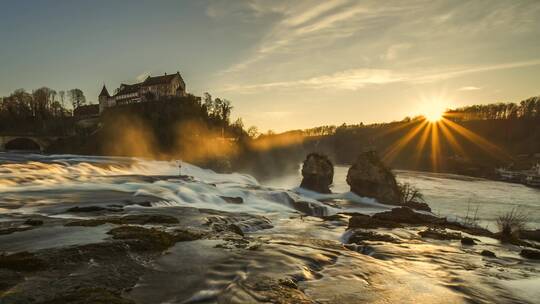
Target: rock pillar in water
369, 177
317, 173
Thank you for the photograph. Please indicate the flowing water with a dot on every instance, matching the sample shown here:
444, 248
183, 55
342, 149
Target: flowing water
284, 234
453, 195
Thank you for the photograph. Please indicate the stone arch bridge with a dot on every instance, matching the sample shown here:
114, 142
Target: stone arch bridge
26, 142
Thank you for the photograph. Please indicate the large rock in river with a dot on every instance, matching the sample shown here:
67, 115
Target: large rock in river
317, 173
368, 176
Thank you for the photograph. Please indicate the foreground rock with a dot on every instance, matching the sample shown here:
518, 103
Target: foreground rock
398, 217
368, 176
317, 173
439, 234
406, 215
530, 254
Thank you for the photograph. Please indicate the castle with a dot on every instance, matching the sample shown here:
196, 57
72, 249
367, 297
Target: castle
151, 88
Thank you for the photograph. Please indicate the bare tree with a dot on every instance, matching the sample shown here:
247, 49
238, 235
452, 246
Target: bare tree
77, 98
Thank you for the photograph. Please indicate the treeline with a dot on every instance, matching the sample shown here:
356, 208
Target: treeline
482, 138
526, 109
43, 111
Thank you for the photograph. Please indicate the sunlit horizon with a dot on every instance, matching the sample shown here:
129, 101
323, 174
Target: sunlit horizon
282, 65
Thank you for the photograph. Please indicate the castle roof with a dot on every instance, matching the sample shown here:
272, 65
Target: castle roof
149, 81
165, 79
104, 92
128, 88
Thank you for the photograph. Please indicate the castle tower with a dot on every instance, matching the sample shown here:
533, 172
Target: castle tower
105, 99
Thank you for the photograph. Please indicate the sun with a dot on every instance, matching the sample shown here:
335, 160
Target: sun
434, 115
434, 111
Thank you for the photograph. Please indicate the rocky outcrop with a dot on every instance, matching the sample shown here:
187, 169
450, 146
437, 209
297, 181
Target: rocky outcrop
488, 254
317, 173
368, 176
368, 222
533, 235
468, 241
530, 254
407, 216
359, 236
439, 234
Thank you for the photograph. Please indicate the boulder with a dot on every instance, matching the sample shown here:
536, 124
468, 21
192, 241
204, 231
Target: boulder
359, 236
468, 241
407, 216
439, 234
533, 235
530, 254
488, 254
317, 173
369, 177
368, 222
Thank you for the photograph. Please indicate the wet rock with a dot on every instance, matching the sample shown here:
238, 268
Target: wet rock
417, 206
271, 291
91, 273
468, 241
359, 236
317, 173
9, 279
309, 208
11, 230
288, 283
233, 200
236, 229
368, 222
488, 253
22, 261
334, 217
141, 238
363, 249
33, 222
533, 235
530, 254
89, 295
406, 215
85, 209
184, 235
369, 177
134, 219
439, 234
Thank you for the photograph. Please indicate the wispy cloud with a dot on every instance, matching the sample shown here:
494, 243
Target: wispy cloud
393, 51
358, 78
304, 20
142, 76
469, 88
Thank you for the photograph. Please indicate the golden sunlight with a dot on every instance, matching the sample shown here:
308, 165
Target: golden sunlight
433, 114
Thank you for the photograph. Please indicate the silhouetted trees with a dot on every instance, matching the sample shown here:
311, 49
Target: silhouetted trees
36, 112
526, 109
77, 98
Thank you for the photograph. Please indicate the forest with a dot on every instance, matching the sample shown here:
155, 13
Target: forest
44, 111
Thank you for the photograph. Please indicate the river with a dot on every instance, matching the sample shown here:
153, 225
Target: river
133, 230
451, 195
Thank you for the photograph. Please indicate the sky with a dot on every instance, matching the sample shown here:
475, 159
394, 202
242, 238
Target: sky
283, 64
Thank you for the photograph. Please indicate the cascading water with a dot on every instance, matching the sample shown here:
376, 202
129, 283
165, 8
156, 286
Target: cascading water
261, 243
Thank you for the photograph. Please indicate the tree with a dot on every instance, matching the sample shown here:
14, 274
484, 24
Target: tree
77, 98
62, 95
253, 132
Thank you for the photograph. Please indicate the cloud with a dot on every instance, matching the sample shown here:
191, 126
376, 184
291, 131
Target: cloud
469, 88
305, 20
141, 77
393, 51
358, 78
